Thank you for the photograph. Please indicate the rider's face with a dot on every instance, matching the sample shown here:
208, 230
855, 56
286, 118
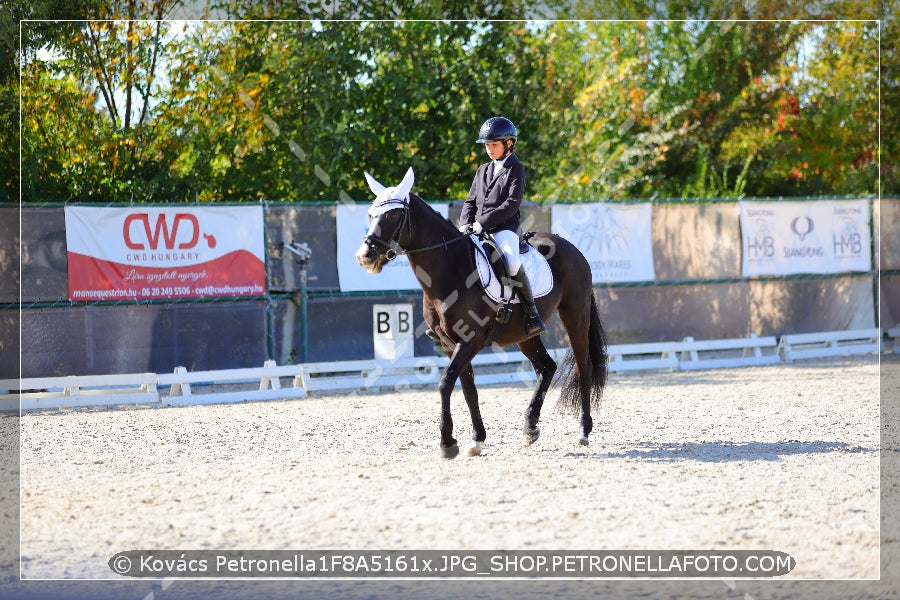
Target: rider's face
495, 149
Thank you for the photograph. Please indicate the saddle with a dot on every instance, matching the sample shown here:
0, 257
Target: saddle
493, 273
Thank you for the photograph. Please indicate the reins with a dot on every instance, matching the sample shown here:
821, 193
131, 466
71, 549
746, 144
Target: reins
393, 247
443, 244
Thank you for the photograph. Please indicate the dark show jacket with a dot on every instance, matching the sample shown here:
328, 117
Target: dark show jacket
495, 203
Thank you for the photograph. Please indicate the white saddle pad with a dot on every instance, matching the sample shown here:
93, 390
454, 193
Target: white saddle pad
537, 269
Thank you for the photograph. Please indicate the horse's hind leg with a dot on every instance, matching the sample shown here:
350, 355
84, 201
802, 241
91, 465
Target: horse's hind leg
467, 380
544, 368
583, 373
576, 390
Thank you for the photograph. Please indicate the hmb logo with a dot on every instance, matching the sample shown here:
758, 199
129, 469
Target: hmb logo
762, 245
849, 241
161, 231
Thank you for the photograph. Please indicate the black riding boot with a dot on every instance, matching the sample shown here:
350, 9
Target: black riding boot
533, 323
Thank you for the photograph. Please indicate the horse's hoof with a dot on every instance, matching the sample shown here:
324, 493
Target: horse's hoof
531, 436
583, 441
450, 451
474, 449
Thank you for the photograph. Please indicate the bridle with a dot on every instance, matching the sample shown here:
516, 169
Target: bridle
391, 244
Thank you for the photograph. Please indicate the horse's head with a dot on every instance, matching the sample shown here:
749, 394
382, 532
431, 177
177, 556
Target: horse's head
387, 215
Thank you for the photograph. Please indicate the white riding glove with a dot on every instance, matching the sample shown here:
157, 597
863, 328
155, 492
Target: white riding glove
475, 228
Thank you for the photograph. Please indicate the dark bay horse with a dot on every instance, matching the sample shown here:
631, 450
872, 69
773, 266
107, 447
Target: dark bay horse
458, 310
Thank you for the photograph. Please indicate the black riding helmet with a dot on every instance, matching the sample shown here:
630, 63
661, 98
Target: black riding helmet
496, 129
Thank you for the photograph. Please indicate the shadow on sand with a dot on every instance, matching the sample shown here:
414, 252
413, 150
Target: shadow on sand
723, 451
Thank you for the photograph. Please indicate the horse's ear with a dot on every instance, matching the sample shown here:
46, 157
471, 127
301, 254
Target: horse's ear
406, 185
376, 187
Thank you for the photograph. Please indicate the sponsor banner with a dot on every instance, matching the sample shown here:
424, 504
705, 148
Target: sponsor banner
615, 238
787, 238
146, 253
352, 225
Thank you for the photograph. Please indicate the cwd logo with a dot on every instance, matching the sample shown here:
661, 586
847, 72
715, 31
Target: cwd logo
138, 232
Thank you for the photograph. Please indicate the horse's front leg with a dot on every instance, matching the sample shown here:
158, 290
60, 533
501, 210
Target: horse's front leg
467, 379
462, 356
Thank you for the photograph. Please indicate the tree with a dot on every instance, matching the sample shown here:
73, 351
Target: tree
297, 108
87, 109
890, 98
15, 11
656, 103
711, 108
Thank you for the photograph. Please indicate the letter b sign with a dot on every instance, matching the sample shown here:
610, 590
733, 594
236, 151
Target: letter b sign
392, 330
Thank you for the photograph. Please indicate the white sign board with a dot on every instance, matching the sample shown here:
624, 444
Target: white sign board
352, 225
615, 238
392, 331
822, 236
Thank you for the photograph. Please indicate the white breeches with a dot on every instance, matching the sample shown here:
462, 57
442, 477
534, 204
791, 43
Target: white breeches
509, 244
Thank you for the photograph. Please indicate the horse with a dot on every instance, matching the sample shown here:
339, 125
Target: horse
463, 318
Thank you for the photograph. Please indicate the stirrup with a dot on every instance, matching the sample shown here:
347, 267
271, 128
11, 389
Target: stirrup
430, 333
533, 324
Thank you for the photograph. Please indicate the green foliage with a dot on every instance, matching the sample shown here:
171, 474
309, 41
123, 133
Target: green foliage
99, 141
709, 183
13, 12
890, 98
821, 127
296, 108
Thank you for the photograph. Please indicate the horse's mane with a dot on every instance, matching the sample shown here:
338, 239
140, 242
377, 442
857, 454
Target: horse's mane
446, 223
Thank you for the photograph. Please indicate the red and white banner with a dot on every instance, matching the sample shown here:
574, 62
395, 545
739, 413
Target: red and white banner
144, 253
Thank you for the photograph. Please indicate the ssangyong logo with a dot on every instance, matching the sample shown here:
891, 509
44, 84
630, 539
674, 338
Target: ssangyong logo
802, 227
139, 234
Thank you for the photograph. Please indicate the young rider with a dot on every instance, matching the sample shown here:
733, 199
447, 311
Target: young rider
493, 206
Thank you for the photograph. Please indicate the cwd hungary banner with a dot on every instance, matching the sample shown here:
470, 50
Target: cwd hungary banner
145, 253
352, 223
822, 236
614, 238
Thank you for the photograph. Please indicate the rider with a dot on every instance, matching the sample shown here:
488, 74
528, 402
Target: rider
493, 206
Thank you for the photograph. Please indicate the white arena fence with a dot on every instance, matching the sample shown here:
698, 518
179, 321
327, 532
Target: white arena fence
492, 367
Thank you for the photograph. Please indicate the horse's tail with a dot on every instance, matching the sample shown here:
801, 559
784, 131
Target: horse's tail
570, 393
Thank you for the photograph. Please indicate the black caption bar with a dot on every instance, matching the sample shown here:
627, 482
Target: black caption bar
451, 563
